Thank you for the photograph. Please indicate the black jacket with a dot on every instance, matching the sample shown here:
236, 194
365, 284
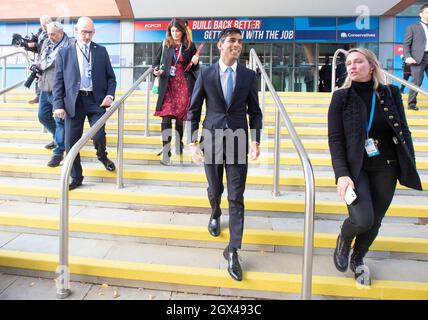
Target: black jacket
347, 121
167, 59
245, 101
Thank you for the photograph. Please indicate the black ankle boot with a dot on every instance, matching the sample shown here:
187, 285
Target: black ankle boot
341, 253
179, 129
360, 270
165, 153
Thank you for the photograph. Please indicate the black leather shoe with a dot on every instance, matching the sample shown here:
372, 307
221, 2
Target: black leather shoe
233, 266
341, 253
50, 145
108, 164
214, 226
360, 270
413, 108
55, 161
75, 183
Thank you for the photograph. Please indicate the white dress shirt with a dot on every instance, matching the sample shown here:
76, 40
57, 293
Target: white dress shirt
80, 57
224, 74
423, 23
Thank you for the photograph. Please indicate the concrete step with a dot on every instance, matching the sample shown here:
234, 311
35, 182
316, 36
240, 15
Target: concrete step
189, 199
180, 176
267, 119
144, 156
268, 234
204, 270
309, 144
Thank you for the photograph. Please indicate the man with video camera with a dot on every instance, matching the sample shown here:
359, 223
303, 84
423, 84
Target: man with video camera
56, 40
33, 44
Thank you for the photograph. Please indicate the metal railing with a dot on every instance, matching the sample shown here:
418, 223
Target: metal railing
63, 290
386, 74
4, 58
307, 170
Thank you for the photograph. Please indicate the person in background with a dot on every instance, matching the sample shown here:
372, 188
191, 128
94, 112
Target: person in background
36, 47
175, 84
407, 72
415, 48
84, 86
371, 147
56, 40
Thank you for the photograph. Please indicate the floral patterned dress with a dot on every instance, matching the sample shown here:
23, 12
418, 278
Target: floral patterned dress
177, 98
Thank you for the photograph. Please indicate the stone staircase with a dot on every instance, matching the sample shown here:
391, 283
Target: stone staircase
153, 233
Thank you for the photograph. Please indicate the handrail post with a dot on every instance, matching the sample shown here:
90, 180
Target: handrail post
309, 182
277, 150
308, 242
120, 133
147, 129
4, 78
63, 280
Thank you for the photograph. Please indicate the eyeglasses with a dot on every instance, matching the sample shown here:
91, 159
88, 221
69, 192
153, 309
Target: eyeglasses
87, 32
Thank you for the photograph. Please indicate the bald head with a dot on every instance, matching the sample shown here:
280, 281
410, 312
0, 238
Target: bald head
85, 29
44, 21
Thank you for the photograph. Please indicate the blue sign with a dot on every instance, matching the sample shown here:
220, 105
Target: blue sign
358, 29
315, 29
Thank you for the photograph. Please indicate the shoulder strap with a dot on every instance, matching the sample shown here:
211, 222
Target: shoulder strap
161, 58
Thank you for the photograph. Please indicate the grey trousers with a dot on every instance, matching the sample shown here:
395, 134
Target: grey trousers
418, 71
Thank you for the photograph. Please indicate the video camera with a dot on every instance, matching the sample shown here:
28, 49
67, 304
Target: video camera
36, 72
20, 41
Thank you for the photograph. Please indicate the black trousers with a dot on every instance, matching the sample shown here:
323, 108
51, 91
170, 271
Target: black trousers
85, 107
418, 71
375, 189
236, 176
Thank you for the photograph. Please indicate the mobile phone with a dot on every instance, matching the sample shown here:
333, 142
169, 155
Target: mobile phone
350, 196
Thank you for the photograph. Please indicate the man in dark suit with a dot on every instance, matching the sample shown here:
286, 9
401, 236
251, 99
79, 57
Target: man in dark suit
84, 86
230, 92
415, 49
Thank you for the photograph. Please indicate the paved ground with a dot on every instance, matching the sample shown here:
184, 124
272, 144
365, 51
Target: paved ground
28, 288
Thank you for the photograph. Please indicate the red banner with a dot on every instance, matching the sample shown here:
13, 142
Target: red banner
151, 25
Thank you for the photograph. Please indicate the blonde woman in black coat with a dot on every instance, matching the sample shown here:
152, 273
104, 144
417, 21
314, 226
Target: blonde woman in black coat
371, 147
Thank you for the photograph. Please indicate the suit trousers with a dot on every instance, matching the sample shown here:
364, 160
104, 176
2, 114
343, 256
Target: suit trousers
418, 71
236, 176
85, 107
375, 188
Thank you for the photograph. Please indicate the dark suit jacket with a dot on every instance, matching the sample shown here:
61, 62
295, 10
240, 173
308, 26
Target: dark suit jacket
166, 61
414, 42
67, 77
245, 101
347, 121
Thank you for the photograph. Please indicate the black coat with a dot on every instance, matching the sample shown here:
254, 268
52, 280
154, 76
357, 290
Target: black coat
347, 121
167, 59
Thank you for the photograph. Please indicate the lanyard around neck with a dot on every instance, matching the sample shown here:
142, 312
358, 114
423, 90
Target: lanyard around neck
86, 57
175, 57
371, 113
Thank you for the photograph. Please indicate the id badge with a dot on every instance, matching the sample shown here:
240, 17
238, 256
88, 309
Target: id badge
371, 148
172, 71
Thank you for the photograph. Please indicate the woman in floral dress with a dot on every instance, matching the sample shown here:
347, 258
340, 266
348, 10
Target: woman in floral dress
175, 84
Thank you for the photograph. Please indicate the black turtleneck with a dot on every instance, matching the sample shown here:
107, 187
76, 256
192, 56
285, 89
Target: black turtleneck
380, 130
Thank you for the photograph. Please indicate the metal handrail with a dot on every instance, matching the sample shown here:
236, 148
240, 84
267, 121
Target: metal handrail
334, 66
63, 290
385, 73
4, 58
408, 84
308, 174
